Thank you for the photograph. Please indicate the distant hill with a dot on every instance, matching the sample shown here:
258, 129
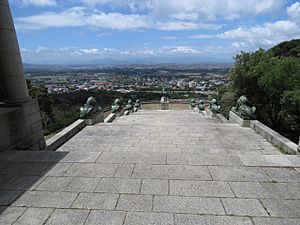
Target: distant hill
287, 49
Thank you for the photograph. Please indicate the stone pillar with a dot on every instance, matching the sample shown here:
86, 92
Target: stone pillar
11, 66
20, 120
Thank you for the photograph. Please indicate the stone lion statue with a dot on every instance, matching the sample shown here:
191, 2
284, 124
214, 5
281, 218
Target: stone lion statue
116, 106
90, 109
213, 106
243, 109
201, 106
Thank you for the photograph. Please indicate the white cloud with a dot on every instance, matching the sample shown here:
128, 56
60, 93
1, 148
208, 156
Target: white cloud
81, 17
294, 12
169, 37
35, 2
197, 9
266, 35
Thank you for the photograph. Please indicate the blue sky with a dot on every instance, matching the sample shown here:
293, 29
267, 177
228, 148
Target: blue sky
97, 31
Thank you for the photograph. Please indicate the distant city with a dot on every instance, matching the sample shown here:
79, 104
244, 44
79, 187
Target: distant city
201, 79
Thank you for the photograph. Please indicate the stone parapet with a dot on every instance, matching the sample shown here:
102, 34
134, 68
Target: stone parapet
234, 118
275, 138
111, 117
164, 105
66, 134
98, 118
21, 127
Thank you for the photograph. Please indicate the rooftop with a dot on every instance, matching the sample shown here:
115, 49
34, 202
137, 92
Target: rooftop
153, 167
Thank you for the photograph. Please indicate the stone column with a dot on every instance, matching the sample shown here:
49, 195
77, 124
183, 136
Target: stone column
11, 66
20, 120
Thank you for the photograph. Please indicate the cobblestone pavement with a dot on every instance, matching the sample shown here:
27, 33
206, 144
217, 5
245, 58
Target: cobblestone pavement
153, 168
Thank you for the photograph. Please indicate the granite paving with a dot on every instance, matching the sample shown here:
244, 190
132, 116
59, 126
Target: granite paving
153, 168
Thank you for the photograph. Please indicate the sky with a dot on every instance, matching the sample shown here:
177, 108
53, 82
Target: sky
150, 31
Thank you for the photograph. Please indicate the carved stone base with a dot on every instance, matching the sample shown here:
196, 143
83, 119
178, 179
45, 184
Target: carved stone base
21, 127
164, 106
234, 118
98, 118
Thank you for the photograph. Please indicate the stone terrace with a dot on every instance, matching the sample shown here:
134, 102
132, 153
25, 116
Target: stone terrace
153, 168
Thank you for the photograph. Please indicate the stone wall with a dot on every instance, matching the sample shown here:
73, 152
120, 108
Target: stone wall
21, 127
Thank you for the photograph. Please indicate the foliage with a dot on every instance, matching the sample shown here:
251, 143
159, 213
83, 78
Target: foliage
271, 82
45, 103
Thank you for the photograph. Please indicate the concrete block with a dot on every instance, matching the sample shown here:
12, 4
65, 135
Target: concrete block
110, 118
125, 157
234, 118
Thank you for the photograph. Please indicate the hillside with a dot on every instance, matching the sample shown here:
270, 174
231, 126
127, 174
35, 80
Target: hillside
287, 49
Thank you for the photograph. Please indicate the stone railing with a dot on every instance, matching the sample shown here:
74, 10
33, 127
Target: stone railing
272, 136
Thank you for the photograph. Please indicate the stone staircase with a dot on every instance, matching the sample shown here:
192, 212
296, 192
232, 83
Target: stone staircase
153, 167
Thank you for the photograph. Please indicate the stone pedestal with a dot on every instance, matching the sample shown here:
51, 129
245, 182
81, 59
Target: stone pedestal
234, 118
21, 127
98, 118
164, 105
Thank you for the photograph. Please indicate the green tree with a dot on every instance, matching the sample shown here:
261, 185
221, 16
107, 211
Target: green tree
271, 82
45, 102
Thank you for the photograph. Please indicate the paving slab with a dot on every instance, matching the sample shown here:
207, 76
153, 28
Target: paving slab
244, 207
226, 173
154, 168
282, 207
276, 221
200, 188
34, 216
185, 219
119, 185
92, 170
68, 217
266, 190
172, 172
192, 205
135, 202
100, 217
155, 187
96, 201
148, 218
8, 215
139, 158
46, 199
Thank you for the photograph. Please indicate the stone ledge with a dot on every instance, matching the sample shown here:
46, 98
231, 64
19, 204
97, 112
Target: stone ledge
275, 138
66, 134
234, 118
111, 117
220, 118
